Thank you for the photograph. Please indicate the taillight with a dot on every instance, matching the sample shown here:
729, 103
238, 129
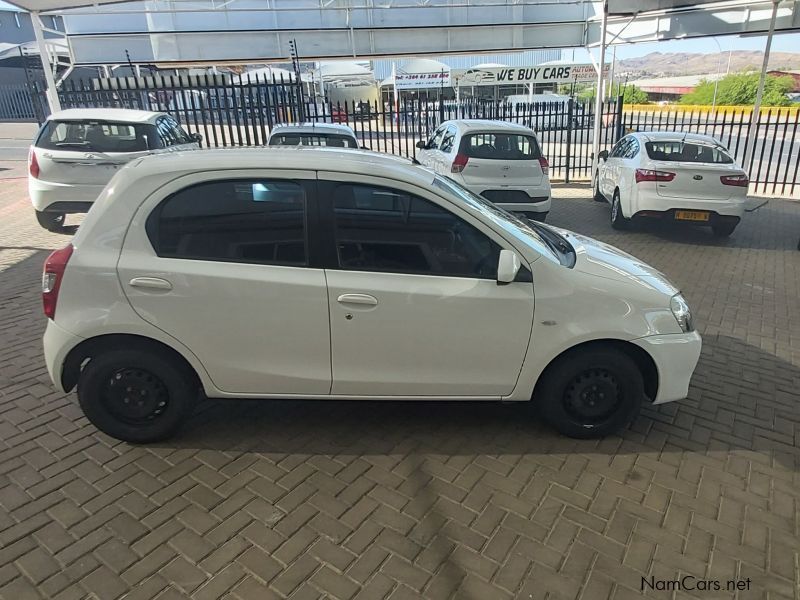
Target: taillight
459, 163
53, 273
33, 164
652, 175
544, 164
737, 180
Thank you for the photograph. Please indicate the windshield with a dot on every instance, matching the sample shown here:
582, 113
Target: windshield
510, 223
501, 146
97, 136
304, 139
679, 151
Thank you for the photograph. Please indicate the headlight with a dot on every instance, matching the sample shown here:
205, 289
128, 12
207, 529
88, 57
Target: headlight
682, 312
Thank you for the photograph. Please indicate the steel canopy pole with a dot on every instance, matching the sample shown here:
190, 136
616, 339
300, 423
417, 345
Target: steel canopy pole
598, 98
51, 91
755, 117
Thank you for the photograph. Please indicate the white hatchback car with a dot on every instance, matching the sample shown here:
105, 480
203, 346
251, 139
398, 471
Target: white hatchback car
676, 176
313, 134
500, 161
344, 274
77, 152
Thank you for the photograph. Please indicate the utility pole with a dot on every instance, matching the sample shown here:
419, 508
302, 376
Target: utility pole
296, 64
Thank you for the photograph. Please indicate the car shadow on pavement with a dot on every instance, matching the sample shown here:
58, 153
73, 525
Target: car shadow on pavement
774, 226
741, 398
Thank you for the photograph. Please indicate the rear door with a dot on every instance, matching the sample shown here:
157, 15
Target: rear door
697, 168
501, 159
87, 152
222, 262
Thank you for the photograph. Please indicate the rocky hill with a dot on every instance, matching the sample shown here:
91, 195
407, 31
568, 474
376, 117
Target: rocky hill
658, 64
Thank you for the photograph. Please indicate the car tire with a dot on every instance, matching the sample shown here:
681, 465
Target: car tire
618, 220
591, 392
598, 197
137, 395
723, 229
52, 221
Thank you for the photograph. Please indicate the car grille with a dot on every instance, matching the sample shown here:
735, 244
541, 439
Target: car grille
510, 197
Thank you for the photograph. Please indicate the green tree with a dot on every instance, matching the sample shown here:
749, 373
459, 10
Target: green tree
630, 93
741, 89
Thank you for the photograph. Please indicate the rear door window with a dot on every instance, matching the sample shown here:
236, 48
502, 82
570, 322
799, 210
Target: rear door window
678, 151
501, 146
97, 136
259, 221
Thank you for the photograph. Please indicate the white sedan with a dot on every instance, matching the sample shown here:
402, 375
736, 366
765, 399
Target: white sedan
676, 176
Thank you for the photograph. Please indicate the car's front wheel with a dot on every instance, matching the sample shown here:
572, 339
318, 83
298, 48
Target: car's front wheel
590, 392
618, 220
52, 221
136, 395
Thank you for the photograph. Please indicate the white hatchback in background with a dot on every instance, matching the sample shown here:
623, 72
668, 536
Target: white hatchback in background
313, 134
675, 176
77, 152
500, 161
343, 274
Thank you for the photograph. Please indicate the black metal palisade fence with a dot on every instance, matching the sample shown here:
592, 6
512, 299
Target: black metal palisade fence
240, 111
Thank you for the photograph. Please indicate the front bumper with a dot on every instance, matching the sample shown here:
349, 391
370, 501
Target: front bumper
676, 356
57, 344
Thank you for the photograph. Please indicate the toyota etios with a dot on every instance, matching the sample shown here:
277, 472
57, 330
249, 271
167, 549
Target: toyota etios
344, 274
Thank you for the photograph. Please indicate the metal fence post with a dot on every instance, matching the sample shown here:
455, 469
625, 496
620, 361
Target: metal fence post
568, 157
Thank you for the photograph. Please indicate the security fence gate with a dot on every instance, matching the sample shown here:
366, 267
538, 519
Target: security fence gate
229, 110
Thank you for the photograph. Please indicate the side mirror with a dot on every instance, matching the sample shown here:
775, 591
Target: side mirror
603, 155
196, 137
422, 145
507, 267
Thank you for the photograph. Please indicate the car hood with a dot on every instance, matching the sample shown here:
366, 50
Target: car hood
604, 260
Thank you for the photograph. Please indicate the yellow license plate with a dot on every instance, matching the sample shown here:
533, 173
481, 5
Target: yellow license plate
691, 215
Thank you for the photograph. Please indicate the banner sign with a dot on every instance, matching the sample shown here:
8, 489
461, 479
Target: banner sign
415, 81
524, 75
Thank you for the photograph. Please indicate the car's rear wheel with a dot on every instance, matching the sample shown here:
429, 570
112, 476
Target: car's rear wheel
52, 221
591, 392
598, 197
136, 395
723, 229
618, 220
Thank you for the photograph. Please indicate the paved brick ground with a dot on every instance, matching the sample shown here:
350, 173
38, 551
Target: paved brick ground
469, 501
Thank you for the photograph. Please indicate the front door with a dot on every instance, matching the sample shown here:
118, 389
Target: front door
220, 262
415, 307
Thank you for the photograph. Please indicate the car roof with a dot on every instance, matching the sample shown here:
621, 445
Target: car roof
471, 125
314, 128
309, 158
125, 115
676, 136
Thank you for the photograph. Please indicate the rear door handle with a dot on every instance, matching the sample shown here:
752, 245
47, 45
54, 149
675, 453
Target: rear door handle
364, 299
155, 283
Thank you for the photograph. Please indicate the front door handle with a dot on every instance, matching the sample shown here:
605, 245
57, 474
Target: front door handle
155, 283
364, 299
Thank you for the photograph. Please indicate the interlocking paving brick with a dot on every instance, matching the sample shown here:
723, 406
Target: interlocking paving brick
259, 500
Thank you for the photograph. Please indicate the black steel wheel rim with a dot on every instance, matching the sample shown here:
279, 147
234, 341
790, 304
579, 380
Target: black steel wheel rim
135, 396
592, 397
